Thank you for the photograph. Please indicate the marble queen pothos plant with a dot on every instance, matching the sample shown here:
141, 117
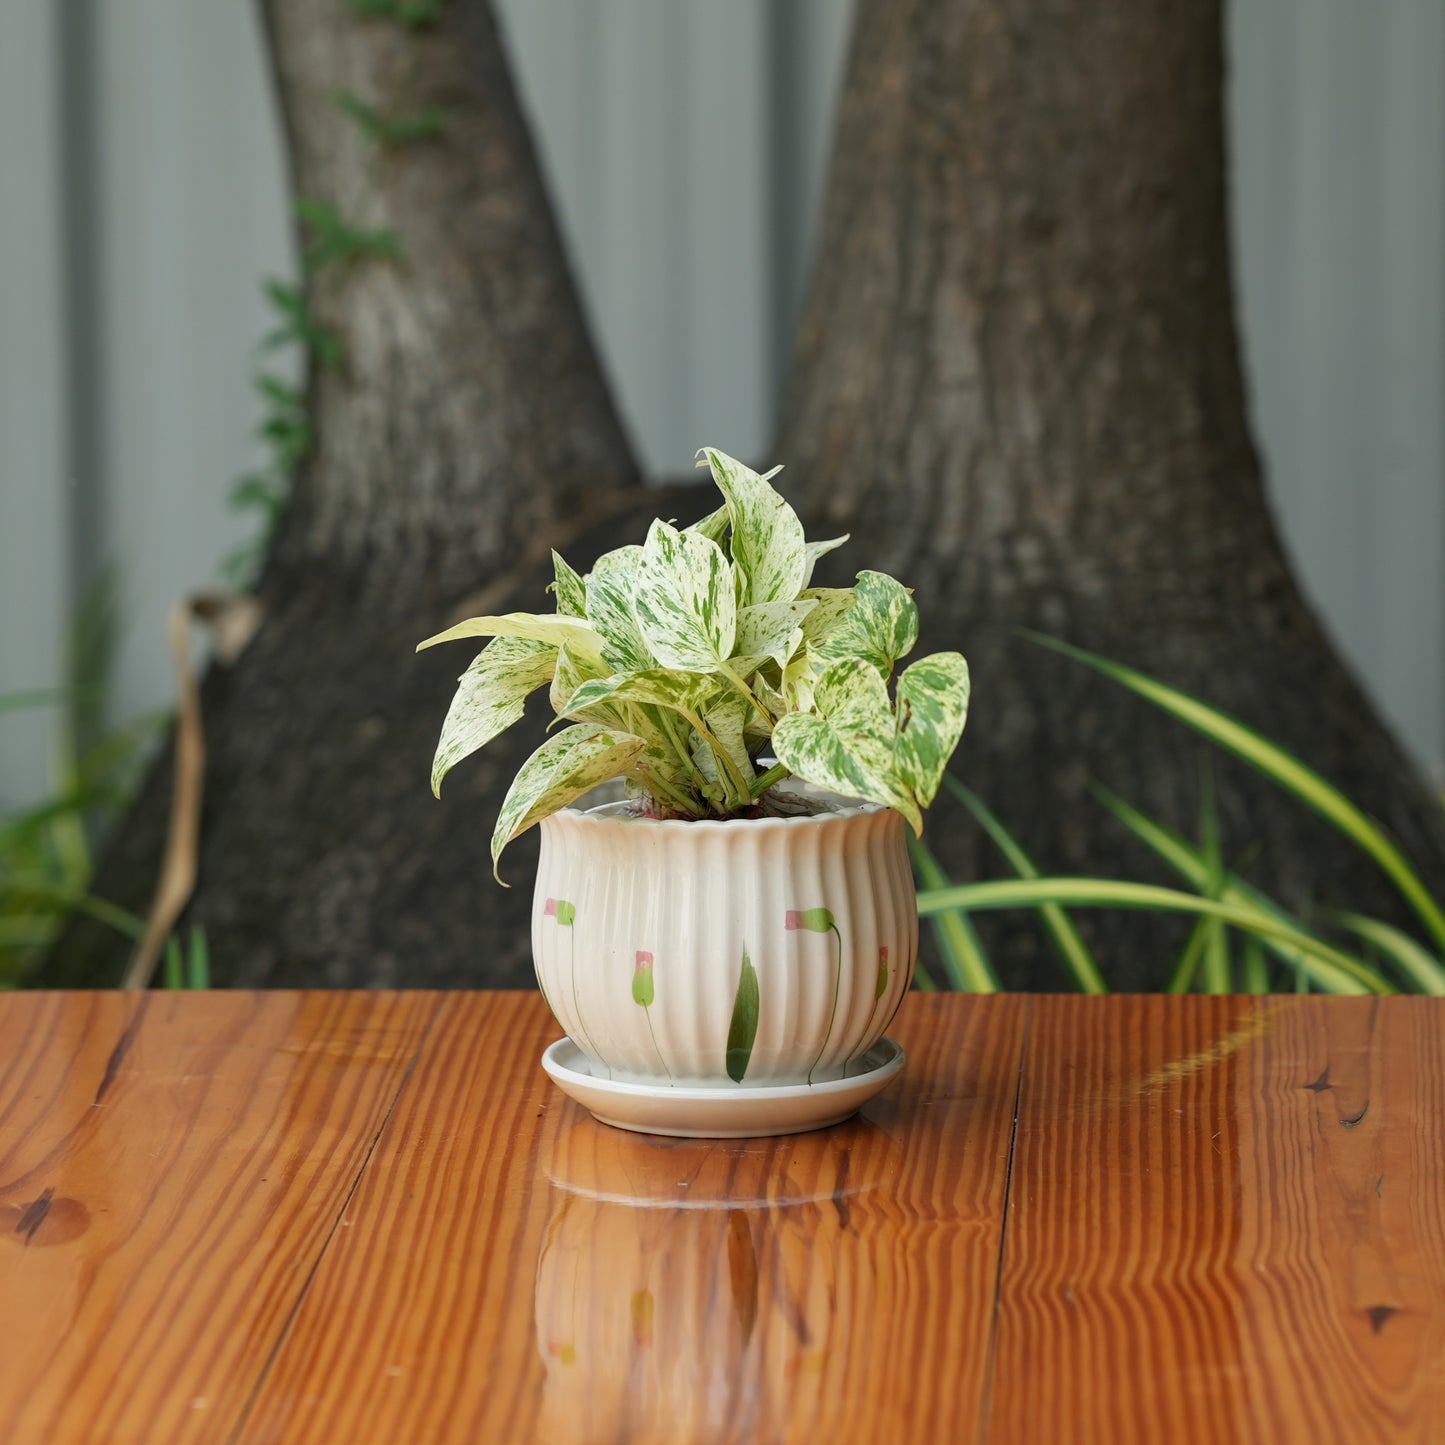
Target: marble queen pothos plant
677, 664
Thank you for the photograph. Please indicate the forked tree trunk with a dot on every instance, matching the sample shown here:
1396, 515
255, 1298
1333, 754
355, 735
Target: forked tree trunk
1018, 378
468, 430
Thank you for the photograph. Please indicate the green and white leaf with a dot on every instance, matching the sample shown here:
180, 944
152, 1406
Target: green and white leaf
569, 589
724, 720
772, 629
684, 600
491, 695
569, 676
563, 768
881, 627
611, 586
713, 526
814, 550
688, 693
768, 543
834, 605
849, 749
932, 709
535, 627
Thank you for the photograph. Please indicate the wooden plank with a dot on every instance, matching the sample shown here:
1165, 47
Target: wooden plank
525, 1273
1227, 1223
171, 1167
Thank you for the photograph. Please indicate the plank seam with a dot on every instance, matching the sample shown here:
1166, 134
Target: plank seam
284, 1334
990, 1360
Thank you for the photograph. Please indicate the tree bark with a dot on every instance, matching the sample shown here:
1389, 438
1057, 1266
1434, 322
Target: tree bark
467, 432
1018, 377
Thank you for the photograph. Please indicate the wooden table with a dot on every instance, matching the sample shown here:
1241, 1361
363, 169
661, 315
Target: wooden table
348, 1217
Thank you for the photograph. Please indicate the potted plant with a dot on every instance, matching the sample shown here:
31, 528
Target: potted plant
740, 921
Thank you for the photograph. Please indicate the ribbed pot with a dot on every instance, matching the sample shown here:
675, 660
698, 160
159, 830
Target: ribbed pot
649, 937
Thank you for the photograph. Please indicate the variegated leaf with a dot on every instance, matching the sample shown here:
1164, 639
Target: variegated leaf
772, 629
688, 693
768, 543
724, 720
715, 525
851, 749
569, 676
820, 549
834, 605
544, 627
611, 586
881, 627
798, 679
684, 599
569, 589
563, 768
491, 695
932, 709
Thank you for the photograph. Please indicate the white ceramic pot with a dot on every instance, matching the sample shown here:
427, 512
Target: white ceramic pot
656, 941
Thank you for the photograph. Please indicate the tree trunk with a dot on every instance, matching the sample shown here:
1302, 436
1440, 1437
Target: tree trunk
1018, 377
468, 431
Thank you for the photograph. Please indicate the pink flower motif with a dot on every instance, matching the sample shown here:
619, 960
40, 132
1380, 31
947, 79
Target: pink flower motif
883, 956
550, 910
813, 920
644, 959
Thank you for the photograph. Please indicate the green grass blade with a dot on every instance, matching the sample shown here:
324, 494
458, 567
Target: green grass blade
1062, 933
42, 890
175, 972
1415, 963
1281, 767
1256, 966
1181, 977
198, 960
1191, 865
1331, 970
968, 967
1218, 969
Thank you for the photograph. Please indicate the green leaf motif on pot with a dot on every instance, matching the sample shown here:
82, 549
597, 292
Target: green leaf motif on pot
559, 908
684, 601
767, 544
642, 986
743, 1029
564, 767
881, 987
491, 695
932, 708
813, 920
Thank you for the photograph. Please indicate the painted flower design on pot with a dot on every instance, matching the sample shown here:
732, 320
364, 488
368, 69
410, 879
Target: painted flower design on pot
819, 920
643, 992
566, 915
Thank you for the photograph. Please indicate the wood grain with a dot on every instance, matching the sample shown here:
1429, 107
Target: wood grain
527, 1274
1226, 1224
370, 1218
171, 1168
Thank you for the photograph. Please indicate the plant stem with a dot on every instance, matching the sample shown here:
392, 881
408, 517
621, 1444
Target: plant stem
746, 691
762, 783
